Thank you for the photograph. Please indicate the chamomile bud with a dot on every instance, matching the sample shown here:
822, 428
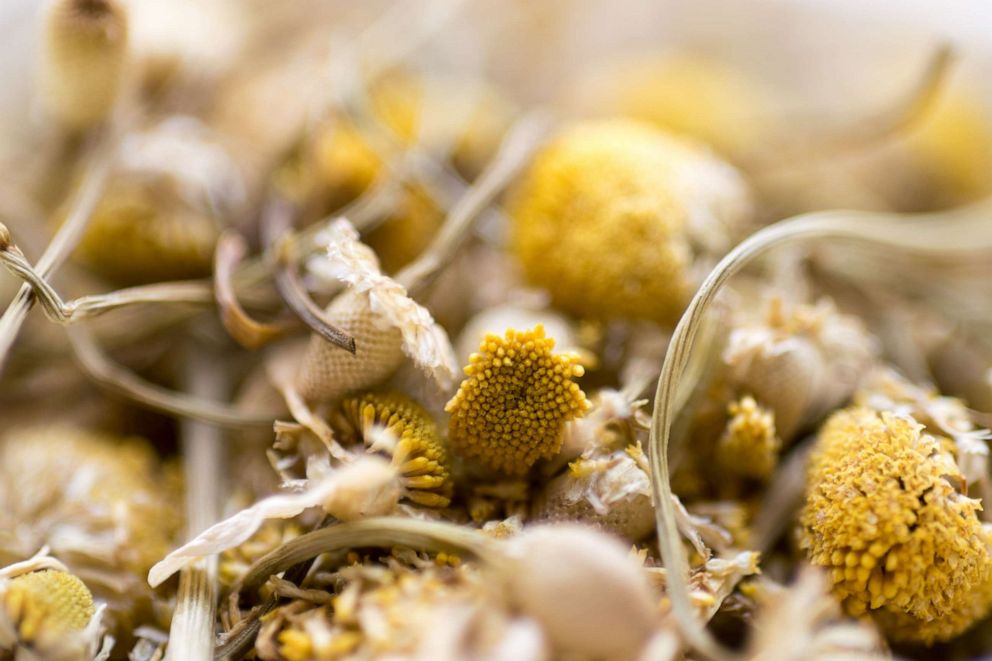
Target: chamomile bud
883, 515
511, 409
83, 60
610, 214
611, 492
584, 589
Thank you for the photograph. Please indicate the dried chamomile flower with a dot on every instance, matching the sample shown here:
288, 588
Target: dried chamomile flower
512, 407
803, 621
607, 216
83, 60
584, 589
749, 446
683, 93
105, 507
400, 605
884, 389
799, 362
47, 602
419, 454
900, 542
377, 312
611, 492
160, 215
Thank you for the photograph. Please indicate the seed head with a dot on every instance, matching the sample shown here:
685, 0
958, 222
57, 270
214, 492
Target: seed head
47, 603
604, 219
511, 409
883, 516
420, 456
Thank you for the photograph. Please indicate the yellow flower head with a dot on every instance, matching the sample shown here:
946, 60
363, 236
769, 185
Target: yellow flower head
420, 455
47, 603
608, 214
512, 408
749, 445
901, 543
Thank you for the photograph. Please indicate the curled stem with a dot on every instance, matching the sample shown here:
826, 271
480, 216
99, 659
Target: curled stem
117, 378
959, 231
251, 334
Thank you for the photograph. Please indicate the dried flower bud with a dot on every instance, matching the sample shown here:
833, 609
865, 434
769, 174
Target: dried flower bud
882, 514
799, 363
419, 455
511, 409
749, 445
611, 492
584, 589
604, 219
161, 214
85, 48
377, 312
47, 603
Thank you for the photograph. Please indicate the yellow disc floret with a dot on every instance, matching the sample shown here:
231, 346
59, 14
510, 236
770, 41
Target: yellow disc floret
47, 603
512, 408
749, 445
901, 543
420, 455
597, 222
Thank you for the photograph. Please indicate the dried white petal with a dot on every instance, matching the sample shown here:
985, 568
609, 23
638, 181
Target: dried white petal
359, 489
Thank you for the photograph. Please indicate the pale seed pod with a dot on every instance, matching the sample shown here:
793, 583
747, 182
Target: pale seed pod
387, 325
328, 372
83, 61
584, 589
610, 492
800, 363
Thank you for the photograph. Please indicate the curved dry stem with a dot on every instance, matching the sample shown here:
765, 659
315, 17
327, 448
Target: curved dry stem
251, 334
122, 381
959, 231
892, 121
383, 532
514, 153
65, 239
275, 225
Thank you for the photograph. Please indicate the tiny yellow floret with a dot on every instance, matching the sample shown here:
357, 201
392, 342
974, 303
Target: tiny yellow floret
901, 543
749, 445
47, 603
420, 455
512, 408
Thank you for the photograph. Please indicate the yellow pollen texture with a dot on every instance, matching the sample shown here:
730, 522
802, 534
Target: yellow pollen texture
512, 407
598, 222
420, 455
899, 541
48, 602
